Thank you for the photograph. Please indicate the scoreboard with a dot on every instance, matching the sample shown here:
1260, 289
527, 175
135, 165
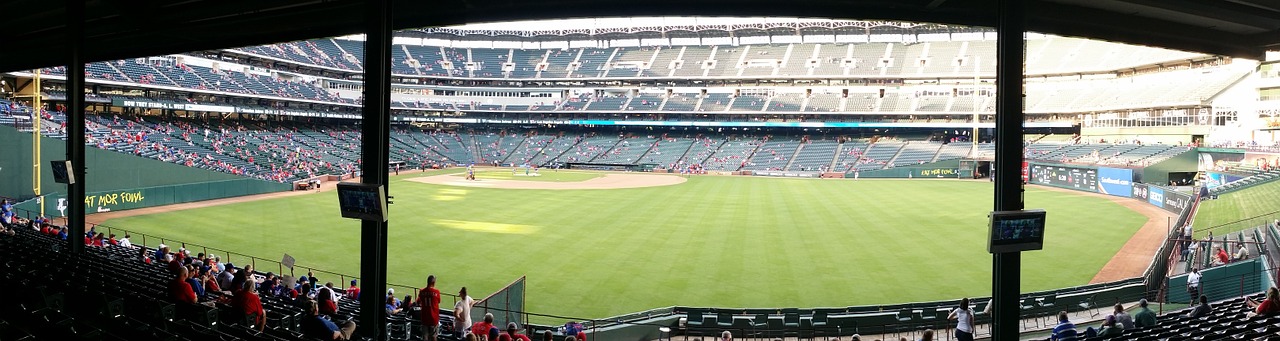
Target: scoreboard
1084, 179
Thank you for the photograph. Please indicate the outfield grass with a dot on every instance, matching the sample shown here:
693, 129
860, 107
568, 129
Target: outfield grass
712, 241
1239, 210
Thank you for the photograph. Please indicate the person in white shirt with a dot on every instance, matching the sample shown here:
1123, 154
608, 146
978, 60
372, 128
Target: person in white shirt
1193, 284
125, 241
464, 306
964, 320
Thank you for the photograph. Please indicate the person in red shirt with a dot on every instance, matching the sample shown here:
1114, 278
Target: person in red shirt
248, 302
1269, 306
511, 331
353, 292
481, 329
179, 289
429, 302
1223, 257
325, 300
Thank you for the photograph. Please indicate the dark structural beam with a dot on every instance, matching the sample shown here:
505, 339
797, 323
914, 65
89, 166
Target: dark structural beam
375, 128
1008, 182
75, 121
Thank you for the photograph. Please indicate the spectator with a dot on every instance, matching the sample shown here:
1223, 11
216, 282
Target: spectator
1223, 257
1201, 309
226, 274
1108, 328
460, 325
573, 328
1242, 252
1065, 330
392, 306
325, 300
248, 303
964, 320
179, 289
353, 292
429, 302
317, 326
142, 252
1268, 306
210, 283
1193, 284
464, 304
511, 331
1123, 320
1145, 317
196, 284
548, 336
481, 329
927, 335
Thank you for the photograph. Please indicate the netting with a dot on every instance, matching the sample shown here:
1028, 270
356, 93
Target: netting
506, 305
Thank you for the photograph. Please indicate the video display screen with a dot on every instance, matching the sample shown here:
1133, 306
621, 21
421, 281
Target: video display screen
1013, 231
1070, 177
361, 201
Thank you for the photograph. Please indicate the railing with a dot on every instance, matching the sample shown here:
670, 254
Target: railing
259, 264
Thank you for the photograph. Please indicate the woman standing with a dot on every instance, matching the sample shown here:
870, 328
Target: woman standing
964, 320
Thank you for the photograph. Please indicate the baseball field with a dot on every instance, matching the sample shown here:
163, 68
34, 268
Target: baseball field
698, 241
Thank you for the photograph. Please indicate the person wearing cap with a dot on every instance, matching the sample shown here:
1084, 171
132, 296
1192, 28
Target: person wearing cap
226, 273
481, 329
1145, 317
1108, 329
511, 331
353, 292
462, 309
429, 302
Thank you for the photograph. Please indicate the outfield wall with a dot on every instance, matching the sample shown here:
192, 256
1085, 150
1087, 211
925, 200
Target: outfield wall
947, 169
116, 181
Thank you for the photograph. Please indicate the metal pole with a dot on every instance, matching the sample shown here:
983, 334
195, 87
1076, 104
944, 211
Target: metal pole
1007, 267
375, 129
75, 122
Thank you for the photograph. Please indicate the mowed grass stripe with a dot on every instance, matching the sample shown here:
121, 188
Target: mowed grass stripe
713, 241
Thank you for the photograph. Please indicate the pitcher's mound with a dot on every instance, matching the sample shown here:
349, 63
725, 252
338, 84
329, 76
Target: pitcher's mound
608, 181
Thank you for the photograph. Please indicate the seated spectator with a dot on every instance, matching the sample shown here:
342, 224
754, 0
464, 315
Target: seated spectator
125, 241
196, 285
1108, 329
1123, 320
1223, 257
927, 335
325, 300
1242, 252
179, 289
142, 252
248, 302
1268, 306
511, 331
226, 275
1201, 309
1065, 329
573, 328
317, 326
1145, 317
481, 329
548, 335
392, 307
353, 292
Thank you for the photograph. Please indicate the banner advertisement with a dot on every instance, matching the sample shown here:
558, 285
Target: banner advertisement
1084, 179
1155, 196
1140, 191
1116, 181
1213, 179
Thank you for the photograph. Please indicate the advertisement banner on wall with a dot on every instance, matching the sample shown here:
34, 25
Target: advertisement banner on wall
1115, 181
1155, 196
1084, 179
1140, 191
1214, 179
1176, 201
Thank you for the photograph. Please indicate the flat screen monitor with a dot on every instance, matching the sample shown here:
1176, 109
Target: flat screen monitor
362, 201
62, 172
1015, 231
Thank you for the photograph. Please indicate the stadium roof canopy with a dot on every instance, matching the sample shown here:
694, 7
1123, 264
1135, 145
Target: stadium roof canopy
119, 29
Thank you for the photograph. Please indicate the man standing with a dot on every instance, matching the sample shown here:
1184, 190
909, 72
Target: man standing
429, 302
463, 308
1193, 284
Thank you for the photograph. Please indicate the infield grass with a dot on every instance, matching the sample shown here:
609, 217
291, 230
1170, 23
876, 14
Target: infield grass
712, 241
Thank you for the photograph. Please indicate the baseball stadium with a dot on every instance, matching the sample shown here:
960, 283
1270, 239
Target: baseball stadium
620, 177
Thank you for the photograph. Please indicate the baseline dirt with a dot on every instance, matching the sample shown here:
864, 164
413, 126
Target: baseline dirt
608, 181
1133, 258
